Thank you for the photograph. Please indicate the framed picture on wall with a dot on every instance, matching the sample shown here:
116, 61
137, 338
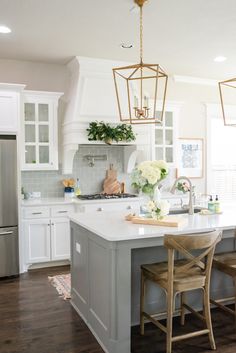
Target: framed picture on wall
190, 157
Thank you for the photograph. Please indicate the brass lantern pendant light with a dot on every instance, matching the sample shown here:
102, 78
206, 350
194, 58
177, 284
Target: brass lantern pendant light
141, 88
227, 96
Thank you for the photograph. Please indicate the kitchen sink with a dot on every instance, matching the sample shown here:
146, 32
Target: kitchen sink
184, 210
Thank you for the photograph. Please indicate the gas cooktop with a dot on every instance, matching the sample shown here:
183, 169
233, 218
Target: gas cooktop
105, 196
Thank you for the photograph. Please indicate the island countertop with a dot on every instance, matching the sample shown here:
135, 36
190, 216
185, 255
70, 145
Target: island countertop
112, 226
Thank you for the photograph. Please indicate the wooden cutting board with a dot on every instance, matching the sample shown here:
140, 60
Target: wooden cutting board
111, 185
111, 172
168, 221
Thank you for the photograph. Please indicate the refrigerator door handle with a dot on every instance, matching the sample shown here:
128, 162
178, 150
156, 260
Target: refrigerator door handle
6, 233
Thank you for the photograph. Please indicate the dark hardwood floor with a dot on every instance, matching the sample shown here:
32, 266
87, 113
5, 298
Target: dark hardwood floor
34, 319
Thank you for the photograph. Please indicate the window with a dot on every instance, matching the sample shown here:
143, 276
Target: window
222, 158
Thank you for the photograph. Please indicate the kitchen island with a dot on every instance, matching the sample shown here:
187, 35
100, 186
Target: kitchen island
107, 252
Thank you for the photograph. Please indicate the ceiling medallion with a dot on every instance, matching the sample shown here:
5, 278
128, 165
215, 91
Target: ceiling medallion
141, 88
227, 96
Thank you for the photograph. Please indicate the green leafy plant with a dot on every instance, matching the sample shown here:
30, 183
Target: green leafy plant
100, 131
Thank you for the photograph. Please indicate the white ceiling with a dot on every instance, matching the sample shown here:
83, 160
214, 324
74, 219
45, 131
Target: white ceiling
184, 36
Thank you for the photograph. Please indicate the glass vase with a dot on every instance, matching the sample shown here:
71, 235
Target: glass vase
154, 196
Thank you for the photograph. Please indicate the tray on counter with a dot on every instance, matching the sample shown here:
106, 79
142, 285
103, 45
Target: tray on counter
168, 221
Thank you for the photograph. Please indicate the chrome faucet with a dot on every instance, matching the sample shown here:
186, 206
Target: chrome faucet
172, 190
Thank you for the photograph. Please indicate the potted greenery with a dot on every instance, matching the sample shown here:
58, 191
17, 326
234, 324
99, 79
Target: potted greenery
100, 131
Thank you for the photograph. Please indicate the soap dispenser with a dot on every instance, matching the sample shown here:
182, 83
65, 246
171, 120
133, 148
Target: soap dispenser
211, 204
217, 204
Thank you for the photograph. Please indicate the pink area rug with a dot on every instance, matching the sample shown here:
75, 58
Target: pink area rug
62, 283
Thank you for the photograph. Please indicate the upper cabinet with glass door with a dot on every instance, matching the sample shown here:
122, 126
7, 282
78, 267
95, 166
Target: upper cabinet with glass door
40, 131
165, 135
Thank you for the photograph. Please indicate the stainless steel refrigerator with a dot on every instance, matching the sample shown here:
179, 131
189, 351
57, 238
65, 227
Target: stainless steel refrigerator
9, 254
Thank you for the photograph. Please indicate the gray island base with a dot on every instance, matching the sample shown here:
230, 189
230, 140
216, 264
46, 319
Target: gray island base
106, 256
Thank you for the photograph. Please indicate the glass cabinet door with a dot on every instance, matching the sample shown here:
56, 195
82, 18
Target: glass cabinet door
37, 133
164, 138
40, 130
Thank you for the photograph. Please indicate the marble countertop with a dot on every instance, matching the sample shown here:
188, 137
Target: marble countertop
112, 226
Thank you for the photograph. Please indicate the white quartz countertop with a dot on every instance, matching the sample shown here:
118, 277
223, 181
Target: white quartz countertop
63, 201
46, 202
112, 226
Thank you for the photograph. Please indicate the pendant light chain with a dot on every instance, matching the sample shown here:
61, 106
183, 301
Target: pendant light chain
141, 34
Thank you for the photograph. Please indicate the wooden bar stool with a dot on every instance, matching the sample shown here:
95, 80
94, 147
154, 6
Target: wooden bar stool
226, 262
180, 276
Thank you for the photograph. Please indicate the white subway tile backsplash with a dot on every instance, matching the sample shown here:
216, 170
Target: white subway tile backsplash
49, 183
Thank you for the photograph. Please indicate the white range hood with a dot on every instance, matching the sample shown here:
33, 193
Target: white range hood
91, 97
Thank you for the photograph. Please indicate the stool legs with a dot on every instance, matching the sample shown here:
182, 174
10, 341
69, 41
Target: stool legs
207, 314
169, 326
142, 301
234, 279
182, 302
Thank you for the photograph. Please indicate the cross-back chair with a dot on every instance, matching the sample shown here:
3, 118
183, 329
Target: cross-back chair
192, 272
226, 263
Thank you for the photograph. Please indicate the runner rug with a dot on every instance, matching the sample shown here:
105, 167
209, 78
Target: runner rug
62, 283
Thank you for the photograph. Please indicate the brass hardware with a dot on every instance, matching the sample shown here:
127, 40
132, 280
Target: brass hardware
135, 108
230, 84
140, 3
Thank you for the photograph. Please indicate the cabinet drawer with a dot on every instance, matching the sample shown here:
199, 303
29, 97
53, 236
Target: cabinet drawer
61, 211
113, 206
36, 212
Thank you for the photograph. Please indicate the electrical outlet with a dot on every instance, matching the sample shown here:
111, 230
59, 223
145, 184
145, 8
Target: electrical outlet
78, 248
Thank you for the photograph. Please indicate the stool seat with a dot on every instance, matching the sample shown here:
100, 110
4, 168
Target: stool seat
158, 272
226, 262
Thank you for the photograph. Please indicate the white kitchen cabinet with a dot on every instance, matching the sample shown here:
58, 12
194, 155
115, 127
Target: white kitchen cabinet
37, 240
10, 107
40, 131
46, 233
60, 239
164, 136
165, 140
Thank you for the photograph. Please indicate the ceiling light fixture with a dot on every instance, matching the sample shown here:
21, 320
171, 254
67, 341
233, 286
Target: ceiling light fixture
220, 59
126, 45
4, 29
139, 87
227, 94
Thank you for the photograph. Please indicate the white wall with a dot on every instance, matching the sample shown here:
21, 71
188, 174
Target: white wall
36, 76
193, 119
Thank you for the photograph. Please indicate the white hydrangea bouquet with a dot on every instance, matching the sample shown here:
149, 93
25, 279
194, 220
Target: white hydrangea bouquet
158, 209
146, 176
